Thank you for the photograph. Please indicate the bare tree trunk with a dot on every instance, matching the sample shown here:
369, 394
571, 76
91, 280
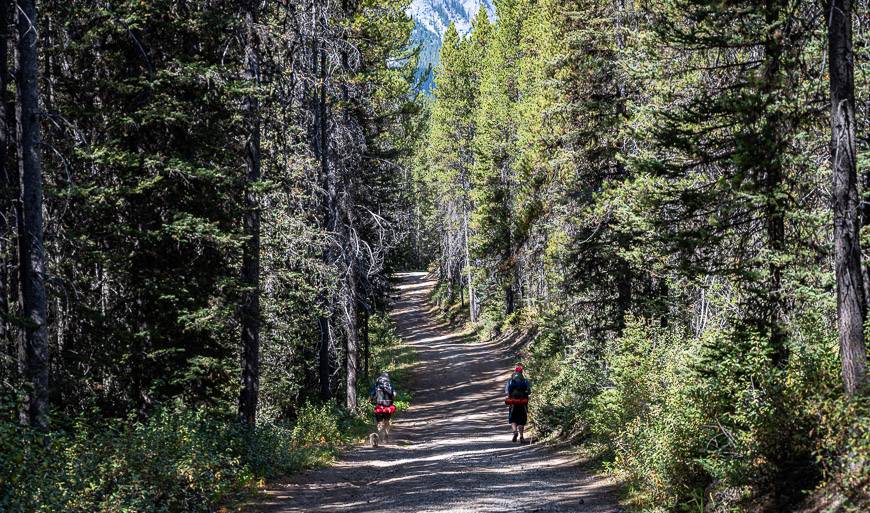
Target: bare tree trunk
322, 152
366, 350
250, 304
352, 337
8, 183
30, 239
472, 299
851, 306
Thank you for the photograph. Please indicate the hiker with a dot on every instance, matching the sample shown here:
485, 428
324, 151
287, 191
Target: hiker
518, 390
382, 395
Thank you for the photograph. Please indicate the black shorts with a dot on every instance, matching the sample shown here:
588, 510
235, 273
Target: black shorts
518, 414
382, 416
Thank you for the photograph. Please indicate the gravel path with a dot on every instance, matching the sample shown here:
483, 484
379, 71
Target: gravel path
451, 452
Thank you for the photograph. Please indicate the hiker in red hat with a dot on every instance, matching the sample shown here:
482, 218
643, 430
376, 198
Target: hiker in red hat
518, 390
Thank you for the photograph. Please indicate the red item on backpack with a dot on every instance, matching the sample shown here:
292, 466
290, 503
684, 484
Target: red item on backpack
516, 401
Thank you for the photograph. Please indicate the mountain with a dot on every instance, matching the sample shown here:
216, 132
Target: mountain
431, 19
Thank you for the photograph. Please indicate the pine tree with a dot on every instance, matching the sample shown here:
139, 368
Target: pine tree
451, 155
494, 247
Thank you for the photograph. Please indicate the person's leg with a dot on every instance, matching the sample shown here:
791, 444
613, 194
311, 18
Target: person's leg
521, 421
387, 428
380, 427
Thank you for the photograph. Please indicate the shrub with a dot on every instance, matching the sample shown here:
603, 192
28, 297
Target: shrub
178, 460
566, 377
649, 420
318, 425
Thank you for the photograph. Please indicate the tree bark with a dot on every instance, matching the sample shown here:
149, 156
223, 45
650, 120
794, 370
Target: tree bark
472, 298
352, 337
851, 305
366, 350
250, 303
30, 239
8, 184
321, 151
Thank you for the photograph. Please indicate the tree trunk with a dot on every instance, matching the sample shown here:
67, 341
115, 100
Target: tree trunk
8, 184
624, 281
321, 146
472, 299
30, 239
250, 304
774, 128
352, 362
366, 350
347, 205
509, 305
323, 358
851, 307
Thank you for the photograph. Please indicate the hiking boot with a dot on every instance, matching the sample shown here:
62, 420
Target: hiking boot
522, 440
515, 437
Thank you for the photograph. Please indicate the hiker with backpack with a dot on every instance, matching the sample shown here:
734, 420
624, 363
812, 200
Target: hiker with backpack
518, 390
382, 395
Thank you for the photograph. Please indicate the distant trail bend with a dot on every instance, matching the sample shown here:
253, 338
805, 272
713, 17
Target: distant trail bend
451, 451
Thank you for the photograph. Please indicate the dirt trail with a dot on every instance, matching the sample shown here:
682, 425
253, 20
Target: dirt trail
451, 452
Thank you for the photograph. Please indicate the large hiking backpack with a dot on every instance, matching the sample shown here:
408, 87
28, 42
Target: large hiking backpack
384, 395
519, 389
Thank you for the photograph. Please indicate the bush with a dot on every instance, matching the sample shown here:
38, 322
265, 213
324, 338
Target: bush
178, 460
649, 420
318, 425
705, 424
566, 377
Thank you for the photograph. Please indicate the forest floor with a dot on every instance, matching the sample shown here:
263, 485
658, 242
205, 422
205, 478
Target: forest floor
452, 450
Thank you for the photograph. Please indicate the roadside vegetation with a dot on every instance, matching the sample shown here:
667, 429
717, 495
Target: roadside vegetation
180, 458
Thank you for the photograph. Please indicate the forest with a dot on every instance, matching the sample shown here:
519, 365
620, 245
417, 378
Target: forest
204, 205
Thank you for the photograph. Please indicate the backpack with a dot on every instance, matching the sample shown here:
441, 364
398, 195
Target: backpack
519, 389
384, 394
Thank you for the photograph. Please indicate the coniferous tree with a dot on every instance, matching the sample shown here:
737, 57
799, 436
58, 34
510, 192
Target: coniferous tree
451, 154
494, 247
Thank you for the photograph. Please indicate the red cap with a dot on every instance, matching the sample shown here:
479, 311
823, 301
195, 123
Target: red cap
518, 369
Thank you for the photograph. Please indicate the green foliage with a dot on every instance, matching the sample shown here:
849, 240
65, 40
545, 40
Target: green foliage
650, 420
647, 194
179, 460
318, 425
389, 354
683, 432
843, 449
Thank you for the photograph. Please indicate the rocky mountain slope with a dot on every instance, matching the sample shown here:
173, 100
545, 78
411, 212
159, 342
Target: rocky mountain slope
432, 17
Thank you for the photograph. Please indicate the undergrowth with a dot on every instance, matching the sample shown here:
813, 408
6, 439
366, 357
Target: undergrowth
179, 459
